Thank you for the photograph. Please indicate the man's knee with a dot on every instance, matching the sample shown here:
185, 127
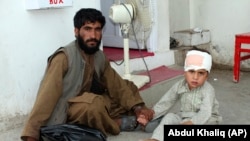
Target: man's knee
80, 108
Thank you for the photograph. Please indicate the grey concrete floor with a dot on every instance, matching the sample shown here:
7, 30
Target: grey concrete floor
234, 99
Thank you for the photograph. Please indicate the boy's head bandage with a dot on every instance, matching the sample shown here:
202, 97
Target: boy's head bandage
196, 60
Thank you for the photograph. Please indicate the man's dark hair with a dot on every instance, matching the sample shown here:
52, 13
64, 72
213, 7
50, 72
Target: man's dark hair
85, 15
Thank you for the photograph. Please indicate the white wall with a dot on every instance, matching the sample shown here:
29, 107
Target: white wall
27, 39
224, 19
179, 15
162, 24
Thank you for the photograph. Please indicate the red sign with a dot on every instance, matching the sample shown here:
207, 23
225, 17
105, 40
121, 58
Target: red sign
55, 1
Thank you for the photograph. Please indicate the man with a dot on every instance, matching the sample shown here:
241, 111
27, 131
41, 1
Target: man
80, 86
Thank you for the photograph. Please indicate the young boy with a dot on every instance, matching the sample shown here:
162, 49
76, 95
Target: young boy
196, 95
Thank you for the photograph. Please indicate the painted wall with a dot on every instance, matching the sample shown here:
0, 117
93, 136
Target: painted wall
179, 15
162, 24
224, 19
27, 39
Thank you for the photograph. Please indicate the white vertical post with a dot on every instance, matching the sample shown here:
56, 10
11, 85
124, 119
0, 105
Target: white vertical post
126, 59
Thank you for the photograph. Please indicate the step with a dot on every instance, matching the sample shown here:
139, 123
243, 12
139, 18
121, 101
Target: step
136, 65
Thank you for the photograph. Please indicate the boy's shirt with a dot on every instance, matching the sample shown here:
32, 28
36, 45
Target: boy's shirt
198, 105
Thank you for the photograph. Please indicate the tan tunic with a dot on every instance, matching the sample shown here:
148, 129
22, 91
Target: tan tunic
91, 109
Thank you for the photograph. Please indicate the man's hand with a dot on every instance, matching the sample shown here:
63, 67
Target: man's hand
143, 114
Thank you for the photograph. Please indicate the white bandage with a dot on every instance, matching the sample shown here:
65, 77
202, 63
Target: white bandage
196, 60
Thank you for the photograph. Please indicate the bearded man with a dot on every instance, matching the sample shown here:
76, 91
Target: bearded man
80, 86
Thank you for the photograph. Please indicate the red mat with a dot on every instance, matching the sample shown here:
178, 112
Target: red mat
160, 74
115, 54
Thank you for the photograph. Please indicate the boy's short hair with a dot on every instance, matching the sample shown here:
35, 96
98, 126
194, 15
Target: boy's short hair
199, 49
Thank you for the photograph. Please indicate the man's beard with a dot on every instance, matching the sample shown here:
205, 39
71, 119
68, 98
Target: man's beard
88, 50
